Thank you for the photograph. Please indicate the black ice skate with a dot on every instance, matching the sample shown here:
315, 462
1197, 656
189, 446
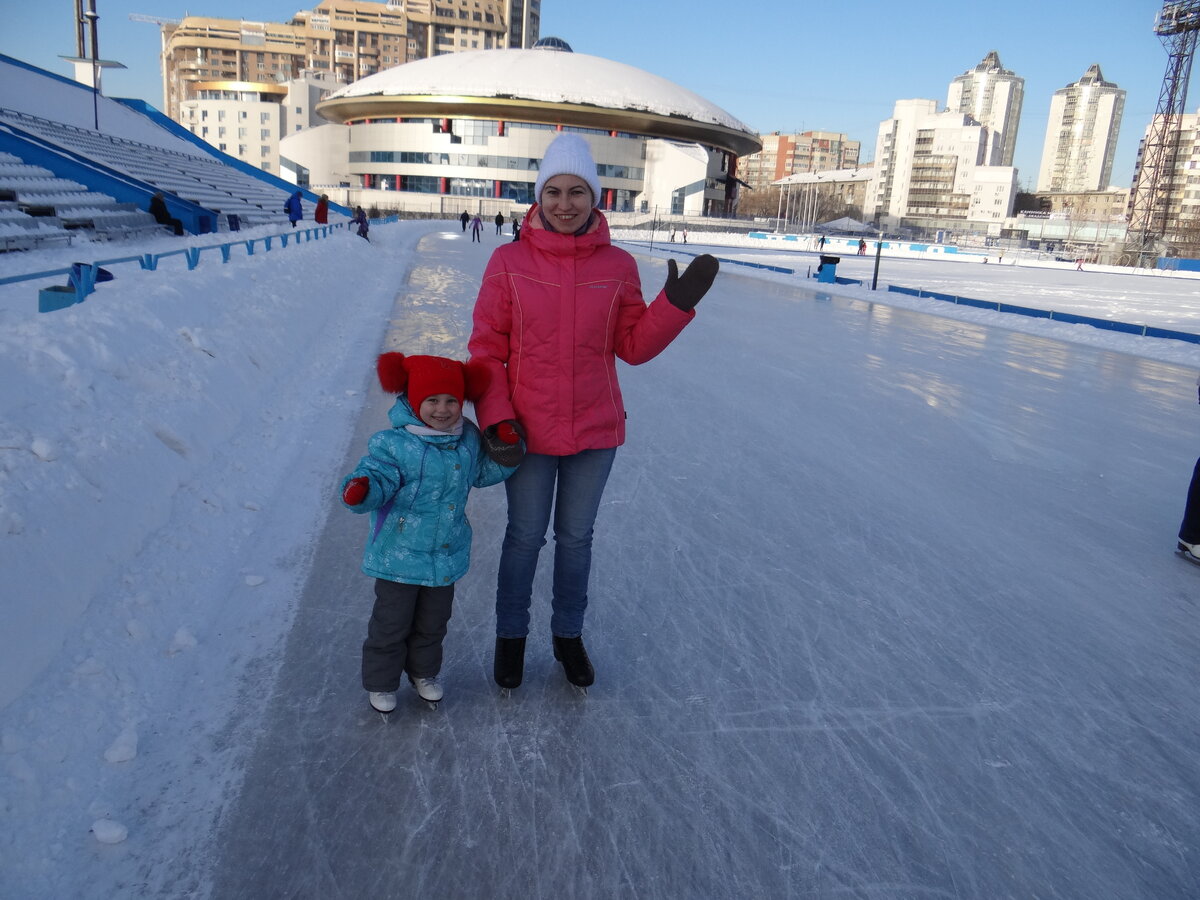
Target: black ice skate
509, 667
575, 662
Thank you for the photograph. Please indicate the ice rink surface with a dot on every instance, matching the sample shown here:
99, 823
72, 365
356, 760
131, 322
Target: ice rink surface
883, 605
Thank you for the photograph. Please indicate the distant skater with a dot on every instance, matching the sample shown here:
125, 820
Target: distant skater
464, 218
476, 230
499, 220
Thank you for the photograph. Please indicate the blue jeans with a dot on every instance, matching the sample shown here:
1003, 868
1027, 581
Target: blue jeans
531, 493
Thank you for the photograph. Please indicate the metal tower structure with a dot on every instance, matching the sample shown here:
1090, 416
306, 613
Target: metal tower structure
1178, 26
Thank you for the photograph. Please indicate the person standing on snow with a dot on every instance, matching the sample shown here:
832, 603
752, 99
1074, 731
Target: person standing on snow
360, 219
321, 213
1188, 543
476, 230
499, 220
464, 218
293, 208
563, 303
414, 481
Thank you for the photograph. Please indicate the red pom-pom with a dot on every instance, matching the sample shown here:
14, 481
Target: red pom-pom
478, 376
393, 376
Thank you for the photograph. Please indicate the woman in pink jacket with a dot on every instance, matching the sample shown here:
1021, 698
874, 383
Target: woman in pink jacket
556, 310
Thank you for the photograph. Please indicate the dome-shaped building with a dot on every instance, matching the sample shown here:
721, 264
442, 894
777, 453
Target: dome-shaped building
475, 124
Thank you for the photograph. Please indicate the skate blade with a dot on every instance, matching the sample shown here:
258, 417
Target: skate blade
432, 704
1183, 554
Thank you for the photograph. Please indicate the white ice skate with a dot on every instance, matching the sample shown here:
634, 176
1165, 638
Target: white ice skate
382, 701
428, 689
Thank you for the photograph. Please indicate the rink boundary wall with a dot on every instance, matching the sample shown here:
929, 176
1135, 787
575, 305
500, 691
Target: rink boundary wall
1069, 318
994, 305
83, 277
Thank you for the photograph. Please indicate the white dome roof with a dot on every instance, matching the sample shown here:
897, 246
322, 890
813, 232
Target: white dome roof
543, 76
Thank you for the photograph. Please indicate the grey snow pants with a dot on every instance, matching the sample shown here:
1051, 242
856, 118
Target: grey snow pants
405, 633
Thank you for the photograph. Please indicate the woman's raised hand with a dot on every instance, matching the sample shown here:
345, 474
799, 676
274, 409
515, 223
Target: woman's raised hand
684, 291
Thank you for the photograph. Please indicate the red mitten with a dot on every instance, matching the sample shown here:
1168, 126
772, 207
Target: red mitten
356, 491
507, 431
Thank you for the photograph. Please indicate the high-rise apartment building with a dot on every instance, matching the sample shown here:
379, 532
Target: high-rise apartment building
794, 154
931, 170
227, 79
992, 96
1081, 135
348, 38
1178, 203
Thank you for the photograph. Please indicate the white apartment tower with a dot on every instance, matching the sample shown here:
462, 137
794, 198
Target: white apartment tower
991, 95
931, 169
1081, 135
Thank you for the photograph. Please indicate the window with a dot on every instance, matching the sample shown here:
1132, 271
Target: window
264, 134
264, 118
220, 115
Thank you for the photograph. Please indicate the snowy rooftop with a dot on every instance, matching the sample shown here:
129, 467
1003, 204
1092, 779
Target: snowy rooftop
544, 76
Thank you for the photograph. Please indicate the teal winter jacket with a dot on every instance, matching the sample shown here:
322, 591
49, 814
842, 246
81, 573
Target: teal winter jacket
418, 499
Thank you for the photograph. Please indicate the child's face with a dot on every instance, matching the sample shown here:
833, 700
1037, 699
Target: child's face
440, 411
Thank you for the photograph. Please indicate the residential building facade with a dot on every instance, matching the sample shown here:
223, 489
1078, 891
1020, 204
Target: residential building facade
220, 76
794, 154
1178, 193
1081, 135
992, 96
931, 171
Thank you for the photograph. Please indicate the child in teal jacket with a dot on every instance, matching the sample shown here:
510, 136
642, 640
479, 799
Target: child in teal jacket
414, 482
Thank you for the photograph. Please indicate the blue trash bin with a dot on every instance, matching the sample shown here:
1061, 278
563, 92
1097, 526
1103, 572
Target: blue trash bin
827, 269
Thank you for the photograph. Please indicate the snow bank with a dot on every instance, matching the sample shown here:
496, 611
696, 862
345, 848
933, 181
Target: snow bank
174, 420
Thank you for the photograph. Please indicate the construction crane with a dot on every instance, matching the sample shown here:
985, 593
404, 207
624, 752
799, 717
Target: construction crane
162, 53
153, 20
1178, 26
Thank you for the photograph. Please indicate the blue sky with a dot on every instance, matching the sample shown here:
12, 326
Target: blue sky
778, 65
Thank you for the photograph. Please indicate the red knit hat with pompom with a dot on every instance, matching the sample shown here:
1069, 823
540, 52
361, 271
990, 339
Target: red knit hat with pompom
424, 376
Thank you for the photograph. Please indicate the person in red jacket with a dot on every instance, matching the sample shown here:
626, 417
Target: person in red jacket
321, 213
555, 311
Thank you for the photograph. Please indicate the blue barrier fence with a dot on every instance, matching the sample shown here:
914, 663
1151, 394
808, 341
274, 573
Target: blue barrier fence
750, 265
83, 277
1069, 318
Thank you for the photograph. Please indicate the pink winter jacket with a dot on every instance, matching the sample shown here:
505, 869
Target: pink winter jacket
553, 315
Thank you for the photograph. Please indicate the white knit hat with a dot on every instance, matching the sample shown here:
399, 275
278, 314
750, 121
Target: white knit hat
568, 154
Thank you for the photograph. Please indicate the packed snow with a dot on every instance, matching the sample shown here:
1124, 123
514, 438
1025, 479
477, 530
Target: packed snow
993, 639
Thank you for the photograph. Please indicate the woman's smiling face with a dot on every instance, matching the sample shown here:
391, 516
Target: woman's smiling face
566, 202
